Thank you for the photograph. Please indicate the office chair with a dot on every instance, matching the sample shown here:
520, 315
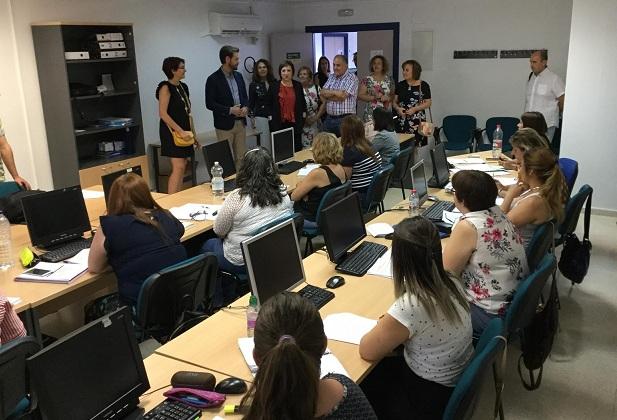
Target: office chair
459, 131
569, 169
540, 244
175, 295
509, 126
573, 211
488, 351
402, 164
377, 189
14, 387
8, 187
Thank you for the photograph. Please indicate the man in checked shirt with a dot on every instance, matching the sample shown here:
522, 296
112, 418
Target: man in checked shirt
339, 93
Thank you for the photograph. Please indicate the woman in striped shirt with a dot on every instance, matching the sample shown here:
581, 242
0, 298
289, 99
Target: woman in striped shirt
360, 161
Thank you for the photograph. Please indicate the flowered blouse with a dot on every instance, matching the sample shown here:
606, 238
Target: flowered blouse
375, 88
497, 265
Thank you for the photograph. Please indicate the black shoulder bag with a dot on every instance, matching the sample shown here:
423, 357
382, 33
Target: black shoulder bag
575, 256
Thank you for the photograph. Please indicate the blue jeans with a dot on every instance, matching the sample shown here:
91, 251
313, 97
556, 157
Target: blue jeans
333, 125
479, 320
223, 292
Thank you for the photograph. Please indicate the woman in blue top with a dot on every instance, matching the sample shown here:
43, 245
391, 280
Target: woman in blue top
137, 237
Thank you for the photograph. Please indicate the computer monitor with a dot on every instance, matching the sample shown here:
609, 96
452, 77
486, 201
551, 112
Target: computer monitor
282, 145
424, 153
418, 179
96, 372
273, 261
220, 152
342, 226
108, 180
441, 172
56, 216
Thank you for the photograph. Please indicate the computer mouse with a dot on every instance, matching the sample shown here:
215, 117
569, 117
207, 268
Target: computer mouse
307, 161
231, 386
334, 282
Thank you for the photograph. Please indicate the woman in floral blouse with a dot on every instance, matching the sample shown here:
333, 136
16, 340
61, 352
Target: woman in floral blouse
376, 89
485, 249
412, 97
314, 109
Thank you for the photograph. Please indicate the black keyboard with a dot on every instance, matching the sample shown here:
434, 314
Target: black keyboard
290, 167
229, 185
66, 250
362, 258
318, 296
435, 212
173, 410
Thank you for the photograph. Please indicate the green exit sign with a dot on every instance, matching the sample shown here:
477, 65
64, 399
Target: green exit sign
293, 56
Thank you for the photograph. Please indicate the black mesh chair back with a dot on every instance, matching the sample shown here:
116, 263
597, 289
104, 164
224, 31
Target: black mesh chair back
14, 386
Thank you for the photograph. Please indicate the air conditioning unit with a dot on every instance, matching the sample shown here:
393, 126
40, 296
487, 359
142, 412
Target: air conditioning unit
228, 25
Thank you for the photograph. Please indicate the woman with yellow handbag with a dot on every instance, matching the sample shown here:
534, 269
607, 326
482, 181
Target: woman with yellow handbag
176, 127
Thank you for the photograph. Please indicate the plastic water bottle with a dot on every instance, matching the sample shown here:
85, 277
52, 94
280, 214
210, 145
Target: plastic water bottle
251, 316
497, 142
218, 185
414, 203
6, 258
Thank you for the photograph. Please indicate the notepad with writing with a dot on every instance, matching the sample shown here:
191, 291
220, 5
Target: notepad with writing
58, 273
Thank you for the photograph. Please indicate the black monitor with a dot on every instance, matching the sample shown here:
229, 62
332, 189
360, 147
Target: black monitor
108, 180
96, 372
282, 145
220, 152
273, 261
441, 171
343, 226
56, 216
418, 179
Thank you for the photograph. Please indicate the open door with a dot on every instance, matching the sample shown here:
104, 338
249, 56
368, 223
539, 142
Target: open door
295, 47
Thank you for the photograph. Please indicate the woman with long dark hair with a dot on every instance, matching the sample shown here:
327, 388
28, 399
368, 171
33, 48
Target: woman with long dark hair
323, 71
260, 98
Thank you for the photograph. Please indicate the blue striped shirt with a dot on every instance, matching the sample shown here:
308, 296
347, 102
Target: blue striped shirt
363, 167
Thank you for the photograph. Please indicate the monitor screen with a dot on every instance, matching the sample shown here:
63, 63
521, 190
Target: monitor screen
92, 373
441, 172
273, 261
220, 152
342, 226
282, 145
418, 179
108, 180
424, 153
56, 216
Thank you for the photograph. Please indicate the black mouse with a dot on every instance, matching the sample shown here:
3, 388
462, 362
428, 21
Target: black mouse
307, 161
231, 386
334, 282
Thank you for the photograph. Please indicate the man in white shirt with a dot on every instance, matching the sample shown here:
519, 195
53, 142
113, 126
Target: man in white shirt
545, 92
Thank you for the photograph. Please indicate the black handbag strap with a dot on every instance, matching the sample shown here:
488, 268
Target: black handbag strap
587, 217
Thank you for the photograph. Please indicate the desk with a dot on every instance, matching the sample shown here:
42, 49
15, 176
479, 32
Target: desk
97, 207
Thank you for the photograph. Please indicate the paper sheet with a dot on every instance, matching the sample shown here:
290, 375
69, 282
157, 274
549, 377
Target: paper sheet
92, 194
61, 273
484, 167
80, 258
308, 168
506, 180
451, 217
462, 161
383, 266
347, 327
14, 300
199, 212
377, 230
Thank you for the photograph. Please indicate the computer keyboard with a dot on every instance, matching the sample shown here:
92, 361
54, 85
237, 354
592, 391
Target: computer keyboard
318, 296
362, 258
290, 167
172, 410
66, 251
435, 212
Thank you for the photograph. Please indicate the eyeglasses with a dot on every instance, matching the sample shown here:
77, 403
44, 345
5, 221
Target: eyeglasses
200, 215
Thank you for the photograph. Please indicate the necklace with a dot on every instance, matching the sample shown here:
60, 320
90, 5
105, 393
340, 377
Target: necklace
185, 99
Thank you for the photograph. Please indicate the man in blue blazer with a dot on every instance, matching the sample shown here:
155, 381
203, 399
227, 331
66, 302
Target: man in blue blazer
227, 99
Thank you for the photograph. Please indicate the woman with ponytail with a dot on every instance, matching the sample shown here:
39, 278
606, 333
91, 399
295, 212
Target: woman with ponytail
539, 196
430, 317
289, 343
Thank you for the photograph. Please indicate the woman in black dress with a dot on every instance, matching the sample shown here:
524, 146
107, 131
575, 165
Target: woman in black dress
323, 71
260, 99
175, 113
412, 97
288, 104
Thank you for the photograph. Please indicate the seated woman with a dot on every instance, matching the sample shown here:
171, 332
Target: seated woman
385, 141
289, 343
137, 237
529, 120
539, 196
484, 249
257, 201
327, 152
359, 159
430, 317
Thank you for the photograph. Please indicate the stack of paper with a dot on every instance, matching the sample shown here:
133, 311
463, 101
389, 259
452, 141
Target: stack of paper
506, 180
467, 160
92, 194
193, 211
378, 230
347, 327
308, 168
383, 266
56, 272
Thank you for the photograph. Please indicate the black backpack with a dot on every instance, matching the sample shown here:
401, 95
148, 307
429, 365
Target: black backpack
575, 256
11, 205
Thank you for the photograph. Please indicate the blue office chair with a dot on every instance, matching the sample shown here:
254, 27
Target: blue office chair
459, 130
509, 126
402, 164
14, 384
8, 187
488, 351
573, 211
312, 229
377, 189
569, 169
540, 244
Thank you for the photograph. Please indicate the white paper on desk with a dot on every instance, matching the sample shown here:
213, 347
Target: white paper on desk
451, 217
80, 258
462, 161
308, 168
347, 327
498, 201
383, 266
186, 224
329, 362
14, 300
377, 230
200, 212
92, 194
62, 273
449, 188
506, 180
484, 167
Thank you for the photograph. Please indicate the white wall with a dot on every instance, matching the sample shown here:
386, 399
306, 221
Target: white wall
482, 88
591, 99
162, 28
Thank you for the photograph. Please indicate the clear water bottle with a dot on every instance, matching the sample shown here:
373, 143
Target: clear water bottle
283, 190
218, 184
251, 316
6, 257
497, 142
414, 203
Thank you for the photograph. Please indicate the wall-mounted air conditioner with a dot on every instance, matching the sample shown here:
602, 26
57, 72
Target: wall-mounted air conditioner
230, 25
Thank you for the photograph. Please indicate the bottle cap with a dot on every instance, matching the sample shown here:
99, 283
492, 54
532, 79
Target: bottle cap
253, 301
413, 190
216, 162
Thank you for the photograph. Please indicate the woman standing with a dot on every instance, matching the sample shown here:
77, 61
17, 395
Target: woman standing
376, 89
175, 113
412, 97
323, 71
260, 99
288, 105
314, 109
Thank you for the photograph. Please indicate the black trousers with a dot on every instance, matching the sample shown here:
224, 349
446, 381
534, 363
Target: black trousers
297, 134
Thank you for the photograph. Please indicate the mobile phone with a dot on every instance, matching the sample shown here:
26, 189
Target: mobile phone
38, 272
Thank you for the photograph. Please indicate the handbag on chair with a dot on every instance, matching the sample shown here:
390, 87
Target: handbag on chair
575, 256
